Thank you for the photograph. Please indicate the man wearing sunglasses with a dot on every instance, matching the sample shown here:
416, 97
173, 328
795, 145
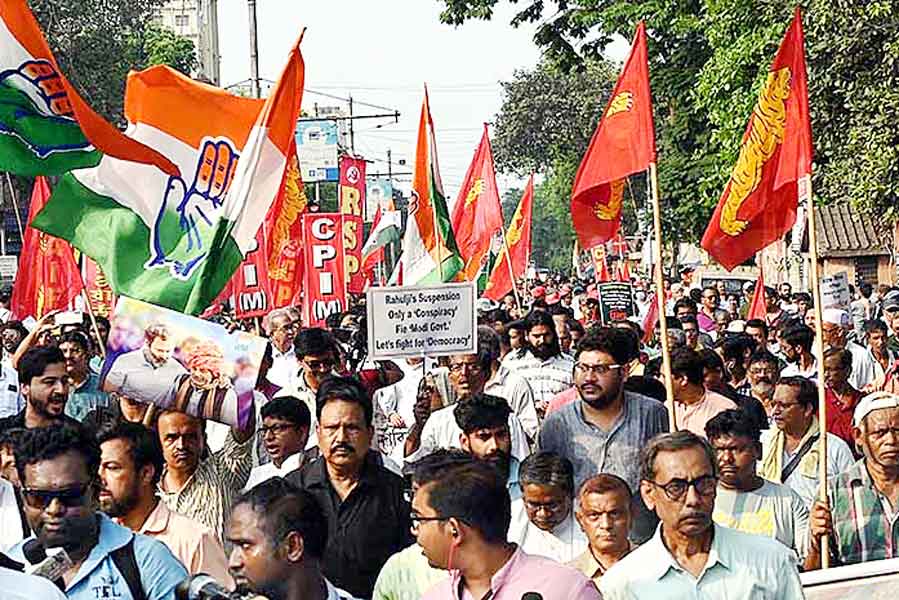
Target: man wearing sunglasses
690, 556
58, 469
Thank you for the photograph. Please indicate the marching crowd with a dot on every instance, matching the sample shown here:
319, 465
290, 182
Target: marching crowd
544, 463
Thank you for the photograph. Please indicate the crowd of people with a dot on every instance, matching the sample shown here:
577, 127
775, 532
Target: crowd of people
545, 462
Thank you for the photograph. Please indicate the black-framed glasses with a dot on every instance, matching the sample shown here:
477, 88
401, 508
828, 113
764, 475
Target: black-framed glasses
276, 429
417, 520
583, 368
470, 367
72, 497
676, 489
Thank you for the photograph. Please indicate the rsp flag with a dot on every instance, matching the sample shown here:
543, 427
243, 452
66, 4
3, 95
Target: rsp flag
325, 283
352, 206
176, 241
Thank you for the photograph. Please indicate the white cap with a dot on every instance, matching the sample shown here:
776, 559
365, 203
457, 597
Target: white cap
872, 402
835, 316
738, 326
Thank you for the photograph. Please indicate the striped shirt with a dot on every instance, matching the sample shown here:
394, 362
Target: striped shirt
864, 526
207, 495
546, 377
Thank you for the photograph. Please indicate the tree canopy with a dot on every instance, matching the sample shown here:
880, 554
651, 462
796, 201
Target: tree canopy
708, 59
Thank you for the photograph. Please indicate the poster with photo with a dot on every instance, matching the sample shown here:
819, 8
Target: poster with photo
158, 356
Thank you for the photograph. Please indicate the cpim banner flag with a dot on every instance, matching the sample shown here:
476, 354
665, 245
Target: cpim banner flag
325, 268
352, 206
623, 144
477, 214
176, 241
96, 287
46, 128
284, 233
518, 244
51, 279
759, 203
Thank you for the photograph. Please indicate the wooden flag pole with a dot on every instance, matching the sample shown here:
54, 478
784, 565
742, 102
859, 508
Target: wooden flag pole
805, 194
660, 294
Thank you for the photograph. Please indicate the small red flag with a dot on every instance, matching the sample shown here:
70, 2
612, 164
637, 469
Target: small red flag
757, 307
49, 278
759, 204
518, 243
623, 144
477, 214
624, 272
650, 320
600, 266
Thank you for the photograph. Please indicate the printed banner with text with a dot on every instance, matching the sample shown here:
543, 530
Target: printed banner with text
352, 206
324, 269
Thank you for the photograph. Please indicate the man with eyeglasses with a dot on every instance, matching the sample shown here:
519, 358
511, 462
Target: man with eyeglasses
58, 470
603, 430
316, 354
84, 392
746, 502
790, 449
690, 555
284, 432
468, 376
543, 522
864, 499
705, 318
281, 329
763, 374
461, 521
131, 463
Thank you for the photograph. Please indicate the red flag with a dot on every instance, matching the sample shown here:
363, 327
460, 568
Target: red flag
623, 144
48, 278
757, 308
518, 243
650, 320
97, 288
477, 214
325, 273
352, 205
624, 272
759, 204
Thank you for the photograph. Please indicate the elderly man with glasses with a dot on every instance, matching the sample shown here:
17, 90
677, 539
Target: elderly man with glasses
690, 556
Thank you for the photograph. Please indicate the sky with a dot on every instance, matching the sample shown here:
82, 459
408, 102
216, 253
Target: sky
382, 52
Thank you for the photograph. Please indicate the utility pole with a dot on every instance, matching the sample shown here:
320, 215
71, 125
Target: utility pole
352, 133
254, 51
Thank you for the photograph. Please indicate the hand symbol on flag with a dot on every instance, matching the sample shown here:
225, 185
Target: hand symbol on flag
189, 216
29, 96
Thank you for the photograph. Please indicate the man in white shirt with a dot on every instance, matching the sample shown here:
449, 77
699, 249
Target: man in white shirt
511, 386
11, 401
19, 586
280, 327
543, 521
11, 530
284, 432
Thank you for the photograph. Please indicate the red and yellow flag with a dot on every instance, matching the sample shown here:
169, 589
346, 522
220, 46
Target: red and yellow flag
623, 144
477, 214
48, 277
759, 204
518, 243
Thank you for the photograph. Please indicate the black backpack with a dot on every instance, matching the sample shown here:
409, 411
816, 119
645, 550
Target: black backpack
124, 560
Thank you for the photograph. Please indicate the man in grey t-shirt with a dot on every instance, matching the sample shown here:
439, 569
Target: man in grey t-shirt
604, 430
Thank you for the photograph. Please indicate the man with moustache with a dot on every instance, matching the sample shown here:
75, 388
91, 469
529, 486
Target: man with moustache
484, 424
690, 556
604, 430
364, 504
131, 463
44, 383
763, 374
544, 366
58, 469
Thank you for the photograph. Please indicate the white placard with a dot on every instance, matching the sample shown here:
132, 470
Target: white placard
835, 291
432, 320
9, 267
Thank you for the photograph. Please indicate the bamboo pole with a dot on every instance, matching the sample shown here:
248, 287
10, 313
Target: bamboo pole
660, 294
805, 195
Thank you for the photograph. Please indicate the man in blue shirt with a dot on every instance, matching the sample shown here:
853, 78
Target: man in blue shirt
57, 467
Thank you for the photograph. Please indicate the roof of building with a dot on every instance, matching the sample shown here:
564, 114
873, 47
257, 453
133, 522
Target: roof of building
845, 231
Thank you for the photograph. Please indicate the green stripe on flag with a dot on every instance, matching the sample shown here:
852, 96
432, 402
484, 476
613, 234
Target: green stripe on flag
32, 143
119, 241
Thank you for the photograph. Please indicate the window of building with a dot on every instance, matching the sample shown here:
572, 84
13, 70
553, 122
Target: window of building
182, 20
866, 269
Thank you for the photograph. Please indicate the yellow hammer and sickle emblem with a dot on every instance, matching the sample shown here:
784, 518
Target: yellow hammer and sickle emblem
622, 102
476, 190
611, 210
766, 133
514, 233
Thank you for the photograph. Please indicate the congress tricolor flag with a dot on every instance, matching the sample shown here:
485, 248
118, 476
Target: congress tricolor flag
175, 241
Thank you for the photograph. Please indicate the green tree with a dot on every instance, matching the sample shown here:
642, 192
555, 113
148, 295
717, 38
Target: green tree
707, 61
97, 42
